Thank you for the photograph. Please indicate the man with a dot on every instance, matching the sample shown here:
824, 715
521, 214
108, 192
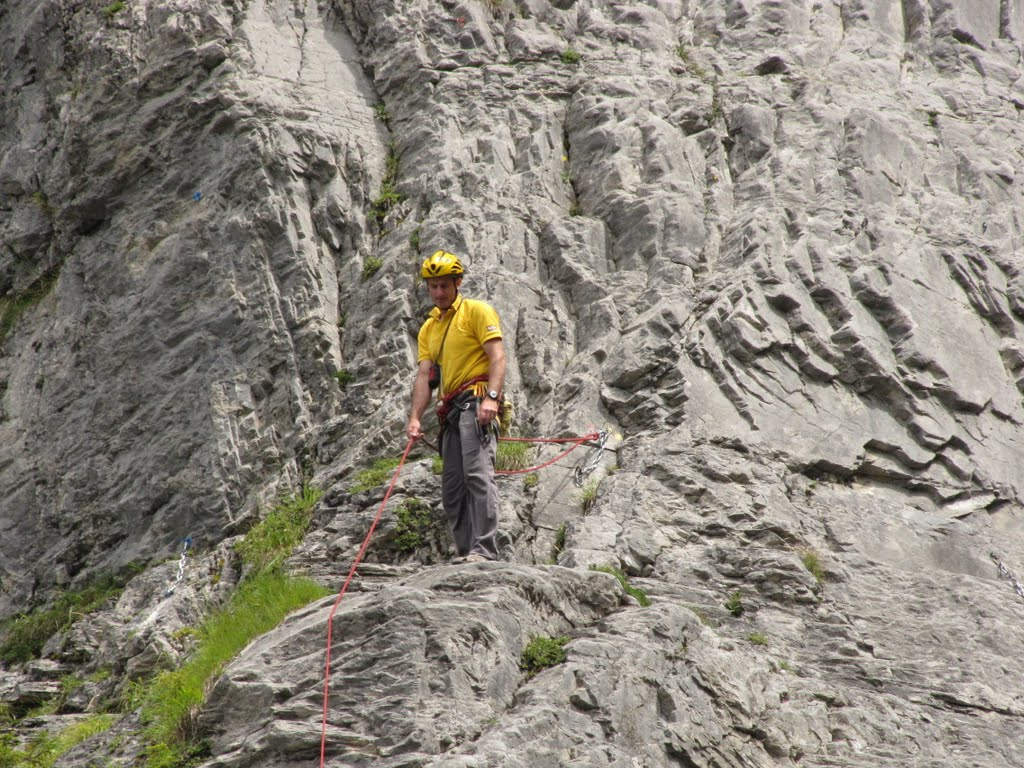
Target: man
463, 338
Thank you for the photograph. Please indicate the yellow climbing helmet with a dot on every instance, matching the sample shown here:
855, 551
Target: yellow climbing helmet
441, 263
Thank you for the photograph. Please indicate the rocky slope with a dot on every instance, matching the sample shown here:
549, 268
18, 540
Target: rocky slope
774, 249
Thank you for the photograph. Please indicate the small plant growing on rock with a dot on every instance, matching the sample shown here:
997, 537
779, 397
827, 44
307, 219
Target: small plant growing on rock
370, 267
570, 56
171, 701
12, 308
758, 638
42, 202
734, 604
45, 749
513, 456
113, 9
437, 465
588, 495
272, 540
691, 65
704, 619
717, 110
531, 480
813, 564
542, 652
381, 111
559, 545
413, 521
635, 592
344, 378
376, 475
389, 197
26, 634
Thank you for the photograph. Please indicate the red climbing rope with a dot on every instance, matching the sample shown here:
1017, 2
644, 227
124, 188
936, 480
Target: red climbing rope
341, 594
576, 443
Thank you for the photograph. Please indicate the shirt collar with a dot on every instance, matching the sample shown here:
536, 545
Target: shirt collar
436, 313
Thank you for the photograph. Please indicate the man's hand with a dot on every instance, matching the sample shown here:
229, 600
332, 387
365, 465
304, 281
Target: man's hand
420, 398
414, 430
486, 411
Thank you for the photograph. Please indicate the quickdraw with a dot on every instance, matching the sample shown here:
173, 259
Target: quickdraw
582, 472
1007, 574
181, 567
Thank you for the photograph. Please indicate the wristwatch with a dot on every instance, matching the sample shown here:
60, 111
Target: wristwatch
493, 394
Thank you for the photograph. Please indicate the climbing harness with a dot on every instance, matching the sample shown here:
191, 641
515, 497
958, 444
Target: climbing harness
1007, 574
445, 406
181, 567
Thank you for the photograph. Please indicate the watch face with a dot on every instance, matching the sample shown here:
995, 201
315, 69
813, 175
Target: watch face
493, 395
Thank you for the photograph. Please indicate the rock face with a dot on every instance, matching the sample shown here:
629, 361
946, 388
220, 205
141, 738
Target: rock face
773, 249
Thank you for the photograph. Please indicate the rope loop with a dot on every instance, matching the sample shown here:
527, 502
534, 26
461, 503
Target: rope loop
576, 443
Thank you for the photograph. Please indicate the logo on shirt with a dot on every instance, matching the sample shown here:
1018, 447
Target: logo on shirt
492, 327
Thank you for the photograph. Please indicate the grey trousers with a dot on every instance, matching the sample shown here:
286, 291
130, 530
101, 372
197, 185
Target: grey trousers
469, 493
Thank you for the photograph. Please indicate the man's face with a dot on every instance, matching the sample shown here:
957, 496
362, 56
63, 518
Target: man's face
443, 290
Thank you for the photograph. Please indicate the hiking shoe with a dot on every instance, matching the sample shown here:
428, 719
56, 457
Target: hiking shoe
474, 558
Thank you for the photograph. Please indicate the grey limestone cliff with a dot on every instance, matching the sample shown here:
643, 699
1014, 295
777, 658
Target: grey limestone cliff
773, 248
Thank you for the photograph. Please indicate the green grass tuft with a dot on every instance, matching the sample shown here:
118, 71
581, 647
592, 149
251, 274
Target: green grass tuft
413, 521
560, 539
588, 495
45, 749
344, 378
271, 541
25, 635
734, 604
376, 475
813, 564
635, 592
113, 9
570, 56
513, 456
173, 699
758, 638
389, 196
13, 308
371, 267
542, 652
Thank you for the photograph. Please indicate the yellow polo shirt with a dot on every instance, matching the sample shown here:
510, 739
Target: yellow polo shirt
471, 323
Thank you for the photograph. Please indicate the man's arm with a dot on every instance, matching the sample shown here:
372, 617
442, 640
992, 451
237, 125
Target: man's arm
420, 399
495, 351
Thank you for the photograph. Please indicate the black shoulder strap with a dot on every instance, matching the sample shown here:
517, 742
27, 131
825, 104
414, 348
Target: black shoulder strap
447, 328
